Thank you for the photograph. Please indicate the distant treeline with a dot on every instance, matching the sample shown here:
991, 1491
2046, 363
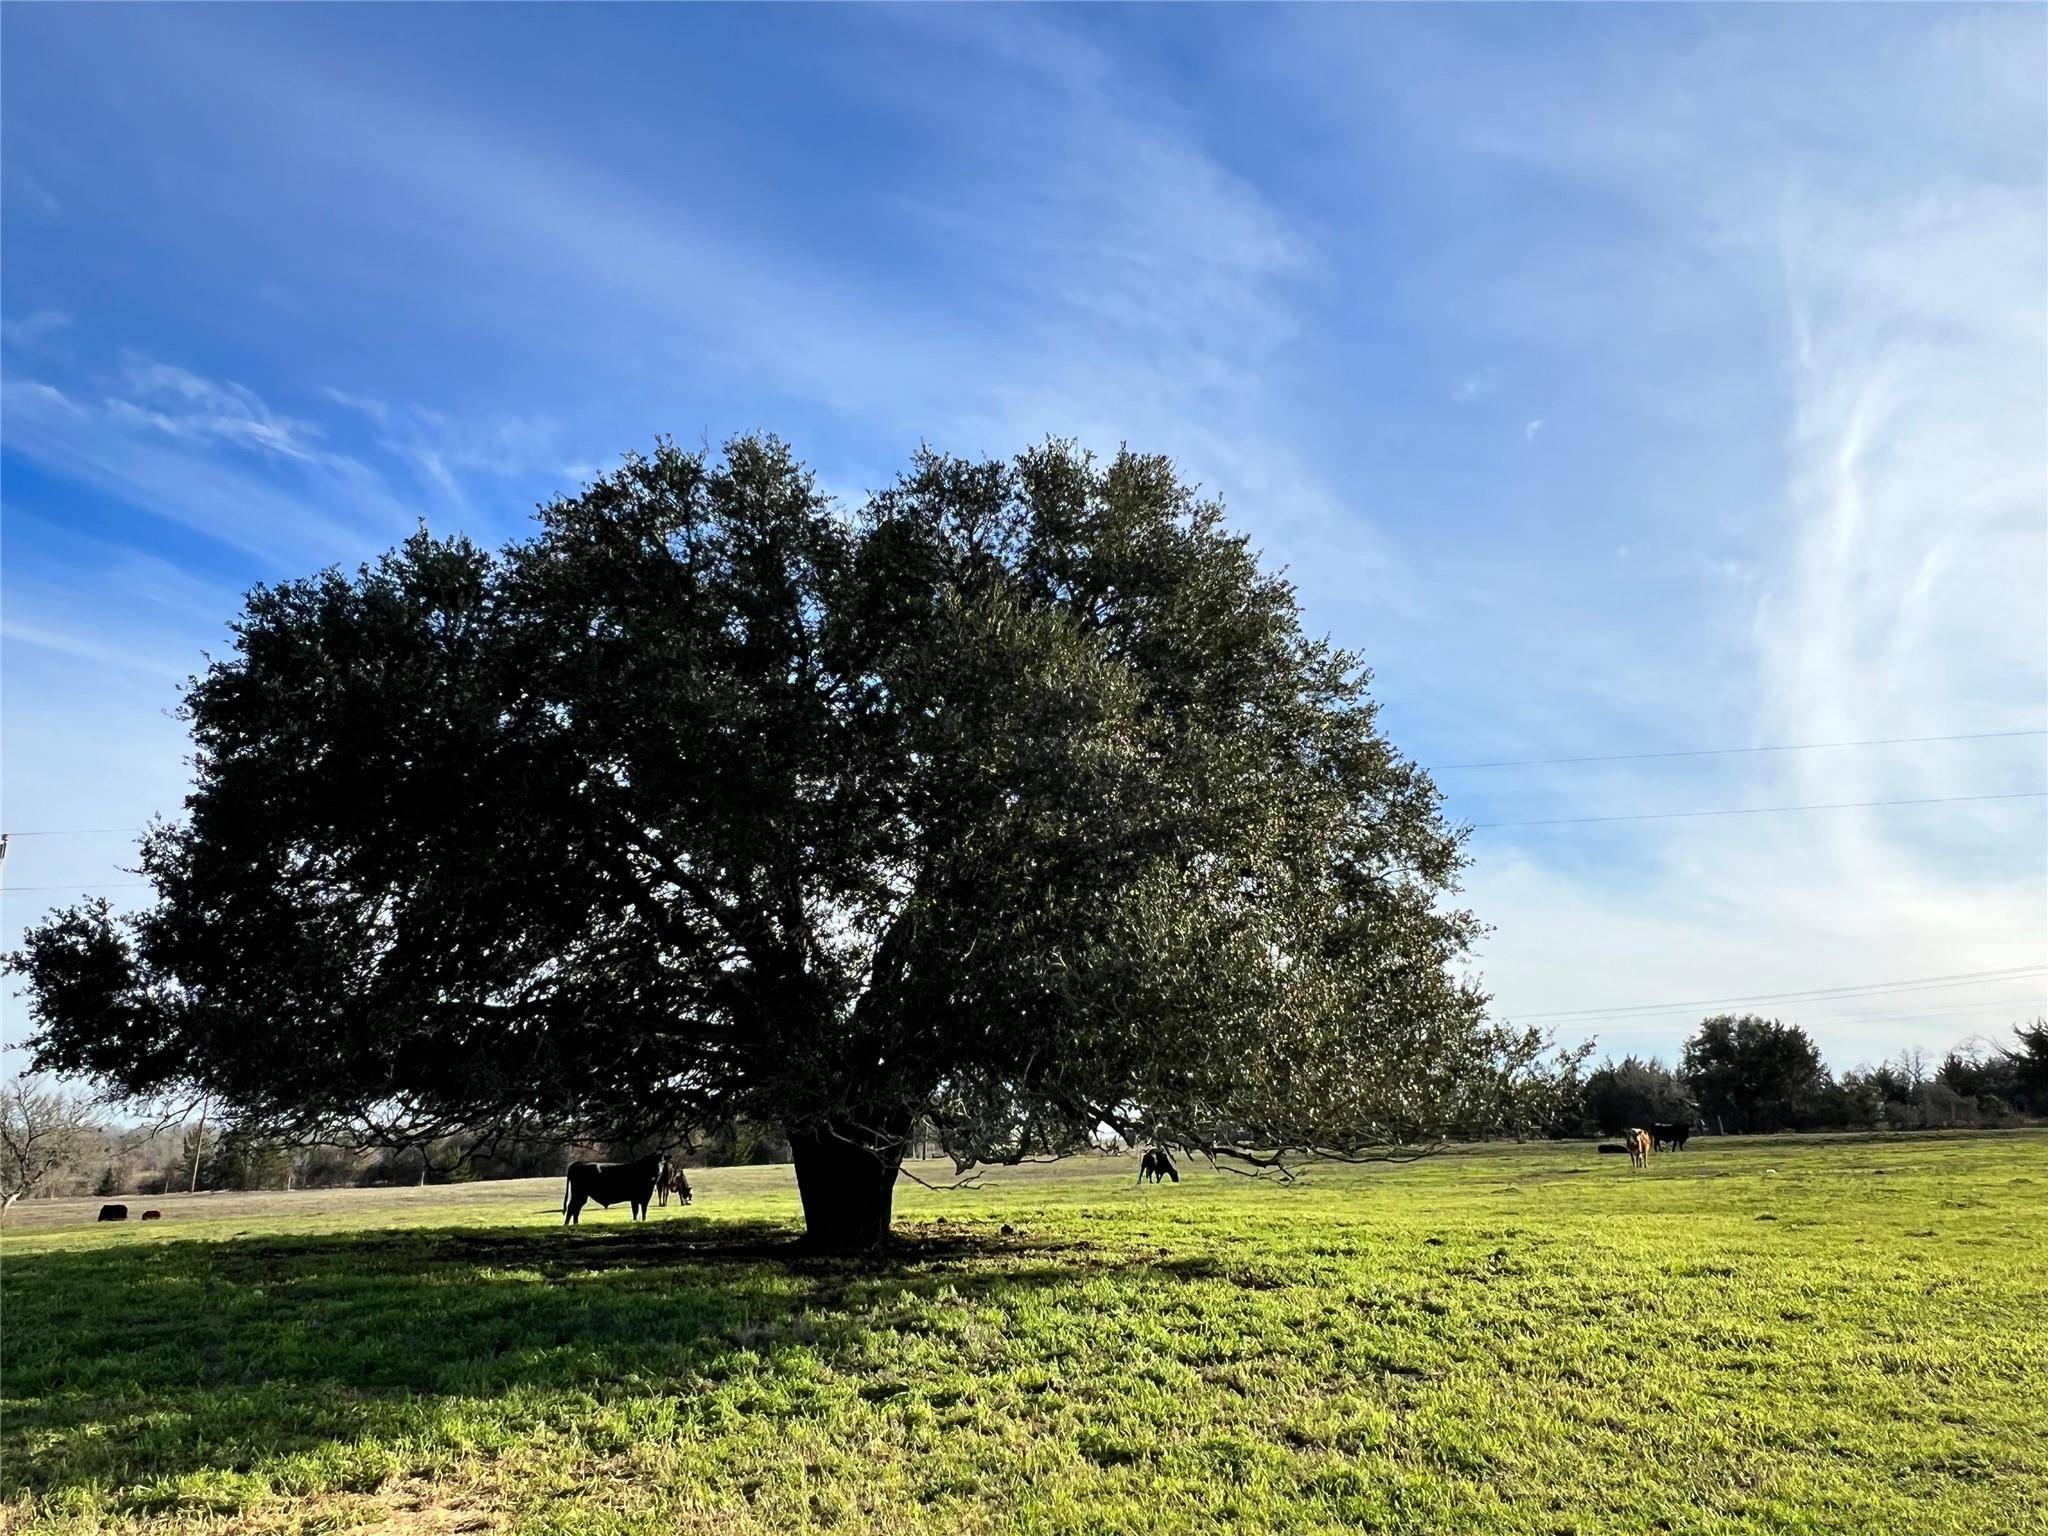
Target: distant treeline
1736, 1074
115, 1160
1750, 1075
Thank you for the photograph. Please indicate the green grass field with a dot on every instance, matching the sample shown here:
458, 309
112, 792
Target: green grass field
1827, 1334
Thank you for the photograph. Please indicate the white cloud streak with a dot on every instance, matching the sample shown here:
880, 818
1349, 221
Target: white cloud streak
1904, 592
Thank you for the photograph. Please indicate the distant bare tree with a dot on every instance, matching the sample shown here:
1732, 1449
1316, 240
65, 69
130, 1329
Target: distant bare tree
1915, 1065
42, 1131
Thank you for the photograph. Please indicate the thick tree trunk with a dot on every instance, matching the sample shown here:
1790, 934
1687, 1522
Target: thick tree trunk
848, 1187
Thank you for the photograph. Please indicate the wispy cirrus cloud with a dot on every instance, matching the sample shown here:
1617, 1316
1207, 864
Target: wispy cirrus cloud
215, 456
1891, 581
1129, 285
179, 403
33, 330
19, 630
205, 454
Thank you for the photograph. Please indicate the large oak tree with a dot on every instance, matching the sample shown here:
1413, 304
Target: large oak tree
1017, 802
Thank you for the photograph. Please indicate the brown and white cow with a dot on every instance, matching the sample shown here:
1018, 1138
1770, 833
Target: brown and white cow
1638, 1143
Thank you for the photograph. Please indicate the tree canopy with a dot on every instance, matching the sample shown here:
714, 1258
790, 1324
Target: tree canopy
1016, 801
1634, 1092
1754, 1074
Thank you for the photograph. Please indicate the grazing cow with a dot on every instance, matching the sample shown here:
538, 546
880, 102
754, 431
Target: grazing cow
670, 1181
152, 1215
1673, 1135
1638, 1142
1156, 1166
610, 1183
113, 1213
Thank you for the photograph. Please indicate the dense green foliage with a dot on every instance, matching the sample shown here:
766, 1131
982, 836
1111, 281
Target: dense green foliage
1634, 1092
239, 1160
1017, 802
1751, 1073
1817, 1334
1763, 1075
2014, 1075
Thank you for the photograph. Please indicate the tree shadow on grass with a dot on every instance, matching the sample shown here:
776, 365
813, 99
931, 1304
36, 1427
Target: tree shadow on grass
129, 1368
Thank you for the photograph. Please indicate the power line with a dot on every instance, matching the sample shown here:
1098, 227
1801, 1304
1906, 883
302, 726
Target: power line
23, 890
1810, 746
1996, 1005
1868, 988
1804, 1003
2018, 1005
1758, 810
1866, 993
77, 831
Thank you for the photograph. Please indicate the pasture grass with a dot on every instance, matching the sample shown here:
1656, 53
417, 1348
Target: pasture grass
1797, 1335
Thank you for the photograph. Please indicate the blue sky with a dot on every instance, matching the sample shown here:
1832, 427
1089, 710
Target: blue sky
1616, 379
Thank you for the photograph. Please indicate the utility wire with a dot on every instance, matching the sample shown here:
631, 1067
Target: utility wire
1840, 995
1819, 1002
77, 831
2027, 1005
127, 885
2031, 1007
1810, 746
1757, 810
1909, 984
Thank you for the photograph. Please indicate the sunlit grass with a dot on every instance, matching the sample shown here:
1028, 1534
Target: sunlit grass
1795, 1335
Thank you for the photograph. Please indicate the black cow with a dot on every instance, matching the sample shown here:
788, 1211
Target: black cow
610, 1183
1156, 1166
1674, 1135
152, 1215
113, 1213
